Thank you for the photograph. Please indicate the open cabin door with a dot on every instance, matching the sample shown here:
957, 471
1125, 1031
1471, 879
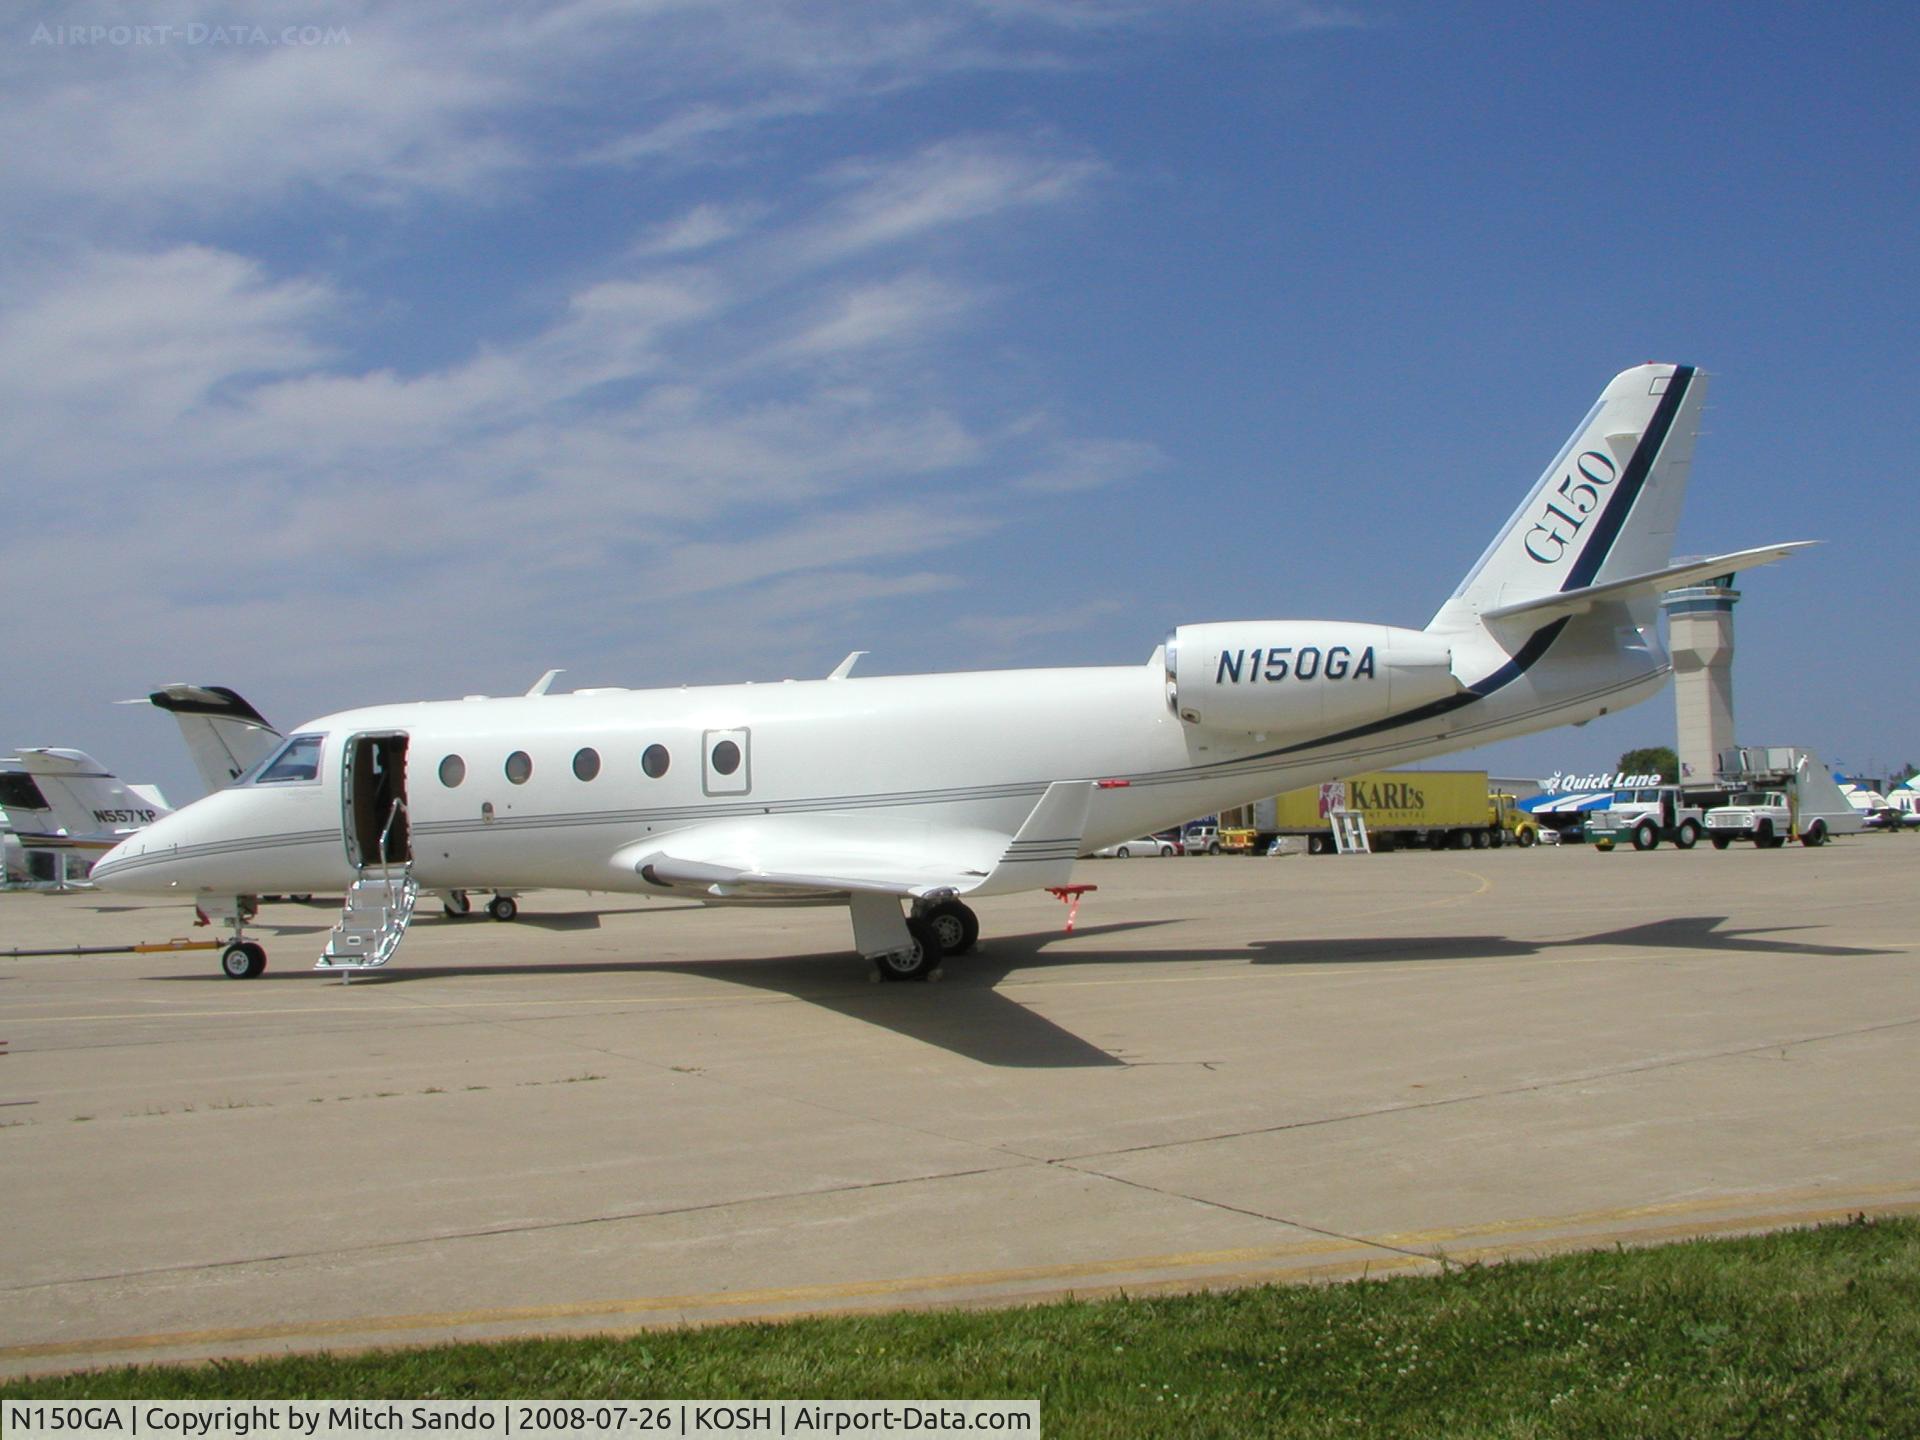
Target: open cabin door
373, 805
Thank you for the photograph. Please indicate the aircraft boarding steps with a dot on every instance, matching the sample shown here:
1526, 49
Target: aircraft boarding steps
1350, 832
372, 922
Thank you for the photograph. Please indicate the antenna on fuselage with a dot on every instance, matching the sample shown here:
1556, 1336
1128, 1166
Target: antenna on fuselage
845, 667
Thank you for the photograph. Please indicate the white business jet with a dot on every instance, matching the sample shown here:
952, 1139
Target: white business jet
91, 809
902, 797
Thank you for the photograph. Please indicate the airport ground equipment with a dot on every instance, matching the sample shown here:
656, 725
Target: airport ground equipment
1779, 793
1647, 815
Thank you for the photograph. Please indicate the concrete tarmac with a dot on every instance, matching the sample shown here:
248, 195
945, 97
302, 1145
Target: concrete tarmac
615, 1113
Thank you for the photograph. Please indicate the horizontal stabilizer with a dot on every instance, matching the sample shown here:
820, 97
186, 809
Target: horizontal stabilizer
1692, 572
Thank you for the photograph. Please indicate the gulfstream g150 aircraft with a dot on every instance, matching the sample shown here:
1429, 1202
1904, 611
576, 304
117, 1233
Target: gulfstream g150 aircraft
900, 797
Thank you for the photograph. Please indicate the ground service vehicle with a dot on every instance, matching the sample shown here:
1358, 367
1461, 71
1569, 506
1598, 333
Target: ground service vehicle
1431, 808
1761, 816
1782, 793
1201, 839
1647, 815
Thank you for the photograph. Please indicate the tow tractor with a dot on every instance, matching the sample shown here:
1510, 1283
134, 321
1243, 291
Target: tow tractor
1647, 816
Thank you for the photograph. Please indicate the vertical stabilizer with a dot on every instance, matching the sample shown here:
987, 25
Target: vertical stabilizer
87, 799
225, 735
1606, 508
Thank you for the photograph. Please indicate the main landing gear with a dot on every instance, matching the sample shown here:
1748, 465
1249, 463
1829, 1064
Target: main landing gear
935, 930
457, 905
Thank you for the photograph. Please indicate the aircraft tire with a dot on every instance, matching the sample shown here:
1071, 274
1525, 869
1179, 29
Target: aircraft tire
954, 925
919, 962
243, 960
1687, 836
1645, 837
503, 907
457, 905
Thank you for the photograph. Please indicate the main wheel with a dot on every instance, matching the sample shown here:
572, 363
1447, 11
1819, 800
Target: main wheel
955, 926
917, 962
1687, 836
242, 960
457, 904
503, 907
1645, 837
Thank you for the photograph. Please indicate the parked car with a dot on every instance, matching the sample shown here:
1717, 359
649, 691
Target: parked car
1201, 840
1145, 845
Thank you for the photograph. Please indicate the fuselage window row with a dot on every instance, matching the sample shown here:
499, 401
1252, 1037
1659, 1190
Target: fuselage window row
654, 760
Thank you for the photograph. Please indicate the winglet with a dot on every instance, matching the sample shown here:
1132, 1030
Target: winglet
1043, 853
845, 667
545, 682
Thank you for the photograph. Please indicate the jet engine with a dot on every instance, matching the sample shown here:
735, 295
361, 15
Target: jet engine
1286, 677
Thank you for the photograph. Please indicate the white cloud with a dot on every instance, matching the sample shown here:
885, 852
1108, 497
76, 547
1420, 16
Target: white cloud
938, 188
885, 313
700, 228
735, 424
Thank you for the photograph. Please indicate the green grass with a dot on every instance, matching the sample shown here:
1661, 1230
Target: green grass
1800, 1333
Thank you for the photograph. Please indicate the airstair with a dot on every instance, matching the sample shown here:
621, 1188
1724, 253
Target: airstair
378, 907
1350, 833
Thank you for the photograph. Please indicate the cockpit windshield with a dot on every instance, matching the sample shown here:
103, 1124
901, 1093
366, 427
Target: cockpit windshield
296, 762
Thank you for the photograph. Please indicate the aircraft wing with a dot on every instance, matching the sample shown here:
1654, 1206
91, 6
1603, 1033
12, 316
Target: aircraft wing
864, 853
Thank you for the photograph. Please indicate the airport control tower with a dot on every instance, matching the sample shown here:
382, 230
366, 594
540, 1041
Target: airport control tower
1700, 637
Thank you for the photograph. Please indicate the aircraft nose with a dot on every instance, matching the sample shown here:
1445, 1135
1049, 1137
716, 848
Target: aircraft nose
140, 863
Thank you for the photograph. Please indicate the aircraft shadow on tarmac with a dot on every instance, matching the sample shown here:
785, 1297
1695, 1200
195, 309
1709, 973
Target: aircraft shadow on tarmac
968, 1015
1693, 932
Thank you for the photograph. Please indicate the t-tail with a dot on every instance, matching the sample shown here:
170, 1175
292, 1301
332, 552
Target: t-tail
87, 801
1568, 592
225, 735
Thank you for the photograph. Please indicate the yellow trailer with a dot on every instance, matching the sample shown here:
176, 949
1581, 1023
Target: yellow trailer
1434, 808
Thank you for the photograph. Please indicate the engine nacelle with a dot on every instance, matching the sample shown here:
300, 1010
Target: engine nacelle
1287, 677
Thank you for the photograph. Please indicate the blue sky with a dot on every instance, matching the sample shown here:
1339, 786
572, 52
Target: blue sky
421, 349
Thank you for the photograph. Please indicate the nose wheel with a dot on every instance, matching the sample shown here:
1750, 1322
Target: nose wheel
243, 960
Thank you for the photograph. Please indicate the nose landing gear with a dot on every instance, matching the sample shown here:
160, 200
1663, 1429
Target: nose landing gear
243, 959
